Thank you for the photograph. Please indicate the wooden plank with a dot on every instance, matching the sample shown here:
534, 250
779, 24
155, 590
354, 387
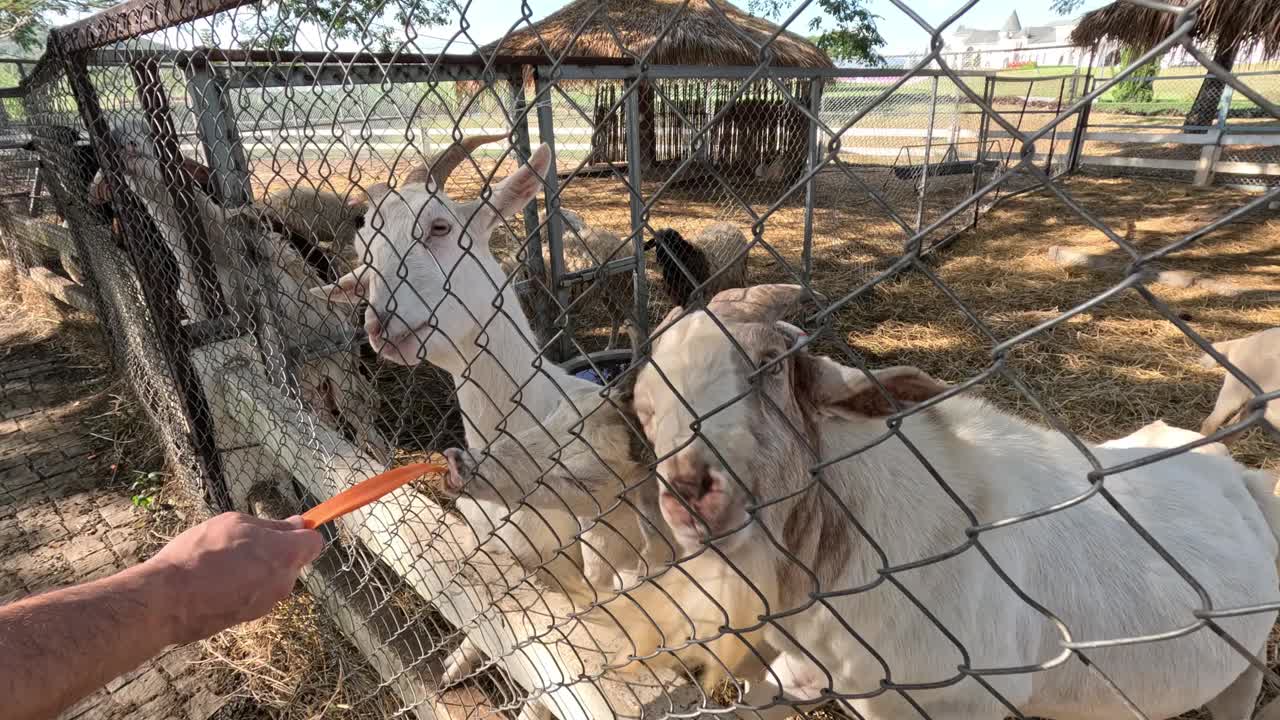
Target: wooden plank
1209, 155
1149, 163
390, 640
1263, 139
1247, 168
130, 20
1150, 138
519, 625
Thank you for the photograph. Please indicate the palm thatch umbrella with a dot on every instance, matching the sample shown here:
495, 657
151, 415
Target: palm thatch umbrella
670, 32
1229, 25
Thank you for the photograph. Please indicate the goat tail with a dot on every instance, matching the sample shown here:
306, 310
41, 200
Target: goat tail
1262, 486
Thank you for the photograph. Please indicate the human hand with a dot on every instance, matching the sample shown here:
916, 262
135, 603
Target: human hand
229, 569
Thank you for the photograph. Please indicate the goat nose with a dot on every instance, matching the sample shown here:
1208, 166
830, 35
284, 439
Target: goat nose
690, 479
457, 468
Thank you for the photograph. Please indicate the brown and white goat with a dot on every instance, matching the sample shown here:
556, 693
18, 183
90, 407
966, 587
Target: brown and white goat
588, 458
776, 452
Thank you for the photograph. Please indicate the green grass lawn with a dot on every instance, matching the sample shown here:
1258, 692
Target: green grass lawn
1175, 89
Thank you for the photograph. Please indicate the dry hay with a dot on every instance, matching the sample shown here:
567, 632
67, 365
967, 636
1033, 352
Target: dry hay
294, 663
1114, 367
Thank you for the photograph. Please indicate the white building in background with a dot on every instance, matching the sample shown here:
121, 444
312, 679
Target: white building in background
1014, 45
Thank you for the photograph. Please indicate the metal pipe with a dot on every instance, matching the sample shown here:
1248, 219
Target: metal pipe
535, 268
639, 216
563, 348
160, 286
216, 126
810, 185
928, 155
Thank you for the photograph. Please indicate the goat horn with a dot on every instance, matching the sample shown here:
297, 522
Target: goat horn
758, 303
439, 168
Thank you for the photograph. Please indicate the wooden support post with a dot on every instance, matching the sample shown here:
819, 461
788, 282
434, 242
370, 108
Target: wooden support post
160, 287
1211, 153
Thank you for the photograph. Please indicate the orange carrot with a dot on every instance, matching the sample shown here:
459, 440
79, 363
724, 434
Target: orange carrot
366, 492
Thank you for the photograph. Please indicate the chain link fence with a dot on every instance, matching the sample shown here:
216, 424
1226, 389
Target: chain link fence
653, 500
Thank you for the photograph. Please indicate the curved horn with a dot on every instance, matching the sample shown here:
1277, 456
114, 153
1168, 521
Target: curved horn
439, 168
758, 303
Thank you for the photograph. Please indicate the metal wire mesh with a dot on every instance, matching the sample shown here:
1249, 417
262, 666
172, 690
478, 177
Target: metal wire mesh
730, 514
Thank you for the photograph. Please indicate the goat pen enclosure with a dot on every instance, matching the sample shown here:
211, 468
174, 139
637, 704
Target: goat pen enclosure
205, 191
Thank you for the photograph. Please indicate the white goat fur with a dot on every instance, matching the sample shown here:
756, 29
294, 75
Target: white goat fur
1085, 563
585, 458
1258, 356
332, 384
326, 217
1160, 434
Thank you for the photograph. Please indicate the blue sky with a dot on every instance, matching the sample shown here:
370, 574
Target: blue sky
490, 18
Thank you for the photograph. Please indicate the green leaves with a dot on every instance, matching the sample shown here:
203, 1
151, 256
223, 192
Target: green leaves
375, 23
26, 22
848, 32
144, 491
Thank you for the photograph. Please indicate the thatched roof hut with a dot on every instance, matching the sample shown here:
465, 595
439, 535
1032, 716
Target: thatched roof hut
698, 34
1227, 25
763, 124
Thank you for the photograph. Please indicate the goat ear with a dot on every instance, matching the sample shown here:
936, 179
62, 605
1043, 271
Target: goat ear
346, 290
513, 193
848, 392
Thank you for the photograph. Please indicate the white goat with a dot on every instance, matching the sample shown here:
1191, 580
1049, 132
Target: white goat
446, 313
1258, 356
332, 384
585, 458
327, 218
1160, 434
778, 411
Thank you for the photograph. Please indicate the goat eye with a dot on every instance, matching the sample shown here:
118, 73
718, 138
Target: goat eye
768, 358
440, 228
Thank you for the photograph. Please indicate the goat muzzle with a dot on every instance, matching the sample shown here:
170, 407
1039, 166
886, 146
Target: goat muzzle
459, 469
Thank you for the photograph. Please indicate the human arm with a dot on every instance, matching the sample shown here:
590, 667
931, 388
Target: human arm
59, 646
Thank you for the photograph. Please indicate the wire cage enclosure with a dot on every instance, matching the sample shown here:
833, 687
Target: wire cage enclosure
669, 496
